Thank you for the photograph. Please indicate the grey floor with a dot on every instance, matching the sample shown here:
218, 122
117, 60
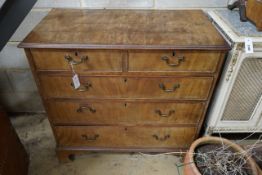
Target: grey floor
35, 133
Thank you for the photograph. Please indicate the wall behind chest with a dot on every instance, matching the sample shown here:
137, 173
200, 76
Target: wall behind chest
18, 92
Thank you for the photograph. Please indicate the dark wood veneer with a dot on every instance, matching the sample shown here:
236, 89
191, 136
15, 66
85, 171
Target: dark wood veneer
13, 157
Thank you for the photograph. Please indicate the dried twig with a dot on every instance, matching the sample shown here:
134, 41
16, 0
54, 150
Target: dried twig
223, 160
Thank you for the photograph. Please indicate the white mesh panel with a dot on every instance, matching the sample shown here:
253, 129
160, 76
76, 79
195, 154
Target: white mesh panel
246, 91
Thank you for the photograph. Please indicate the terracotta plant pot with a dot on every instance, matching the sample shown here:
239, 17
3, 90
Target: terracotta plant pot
191, 169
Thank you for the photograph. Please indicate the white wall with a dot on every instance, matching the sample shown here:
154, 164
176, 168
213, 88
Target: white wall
18, 92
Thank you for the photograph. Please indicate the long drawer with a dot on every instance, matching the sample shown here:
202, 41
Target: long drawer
121, 112
122, 87
82, 60
123, 136
174, 61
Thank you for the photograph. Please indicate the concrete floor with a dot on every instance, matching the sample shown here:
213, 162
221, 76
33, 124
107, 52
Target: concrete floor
35, 133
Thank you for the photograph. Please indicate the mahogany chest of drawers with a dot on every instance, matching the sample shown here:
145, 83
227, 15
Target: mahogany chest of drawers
146, 77
13, 157
254, 12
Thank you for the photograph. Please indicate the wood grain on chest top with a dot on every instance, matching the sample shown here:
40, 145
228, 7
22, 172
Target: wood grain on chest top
125, 29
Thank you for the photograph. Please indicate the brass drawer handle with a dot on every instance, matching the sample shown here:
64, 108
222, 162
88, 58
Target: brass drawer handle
179, 59
90, 138
82, 88
70, 60
163, 87
161, 138
82, 108
164, 115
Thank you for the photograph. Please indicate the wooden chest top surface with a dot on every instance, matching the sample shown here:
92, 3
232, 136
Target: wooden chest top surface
125, 29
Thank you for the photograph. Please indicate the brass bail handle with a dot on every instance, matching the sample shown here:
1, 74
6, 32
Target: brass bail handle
87, 107
163, 87
164, 115
82, 88
70, 60
90, 138
164, 138
177, 62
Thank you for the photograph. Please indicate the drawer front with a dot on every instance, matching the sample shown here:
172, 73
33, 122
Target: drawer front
178, 61
103, 87
84, 61
117, 136
91, 87
188, 88
112, 112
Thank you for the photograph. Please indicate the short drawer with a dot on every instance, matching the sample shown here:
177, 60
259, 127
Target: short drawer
121, 136
84, 112
83, 60
121, 87
174, 61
